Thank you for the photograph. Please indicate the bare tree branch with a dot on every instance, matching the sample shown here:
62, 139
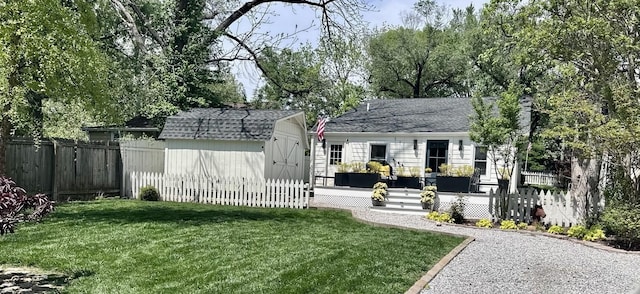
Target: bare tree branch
255, 57
143, 19
246, 7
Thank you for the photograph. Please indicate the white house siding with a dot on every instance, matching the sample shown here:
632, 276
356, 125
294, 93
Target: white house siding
284, 153
400, 148
215, 158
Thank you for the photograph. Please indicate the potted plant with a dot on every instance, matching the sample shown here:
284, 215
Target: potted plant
455, 180
408, 179
379, 194
428, 197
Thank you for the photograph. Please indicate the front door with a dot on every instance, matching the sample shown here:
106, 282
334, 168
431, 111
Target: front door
436, 154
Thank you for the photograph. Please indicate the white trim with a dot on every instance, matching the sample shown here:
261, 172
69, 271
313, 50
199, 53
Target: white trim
394, 134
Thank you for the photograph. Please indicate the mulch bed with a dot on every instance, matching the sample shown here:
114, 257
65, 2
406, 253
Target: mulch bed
610, 242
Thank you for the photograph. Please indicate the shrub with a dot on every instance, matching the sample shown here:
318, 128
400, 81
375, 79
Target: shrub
374, 166
358, 167
623, 221
457, 210
464, 171
414, 171
440, 217
380, 185
149, 193
522, 226
595, 233
577, 232
445, 169
508, 225
343, 167
555, 230
484, 223
14, 203
428, 170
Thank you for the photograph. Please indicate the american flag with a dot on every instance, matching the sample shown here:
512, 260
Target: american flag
320, 129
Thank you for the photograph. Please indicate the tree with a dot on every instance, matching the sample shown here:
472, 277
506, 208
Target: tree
500, 133
415, 63
180, 52
427, 62
46, 56
317, 81
589, 59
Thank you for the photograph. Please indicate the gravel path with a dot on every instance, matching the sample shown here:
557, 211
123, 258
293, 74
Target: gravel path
509, 262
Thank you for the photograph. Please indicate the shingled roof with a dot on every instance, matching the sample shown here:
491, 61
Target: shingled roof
224, 124
414, 115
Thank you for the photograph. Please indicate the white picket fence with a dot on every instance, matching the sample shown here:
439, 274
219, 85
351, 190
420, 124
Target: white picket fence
561, 208
224, 191
539, 178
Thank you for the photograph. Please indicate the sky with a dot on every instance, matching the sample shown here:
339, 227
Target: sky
285, 19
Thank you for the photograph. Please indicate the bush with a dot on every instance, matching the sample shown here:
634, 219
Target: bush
457, 210
149, 193
484, 223
623, 221
555, 230
440, 217
595, 233
522, 226
577, 232
14, 203
508, 225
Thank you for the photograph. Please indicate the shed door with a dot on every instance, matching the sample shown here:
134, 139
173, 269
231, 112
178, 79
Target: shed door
287, 158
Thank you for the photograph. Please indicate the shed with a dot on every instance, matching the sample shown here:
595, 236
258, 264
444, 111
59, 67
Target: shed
229, 142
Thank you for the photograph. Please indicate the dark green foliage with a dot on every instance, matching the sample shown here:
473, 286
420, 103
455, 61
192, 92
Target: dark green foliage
457, 210
14, 203
149, 193
623, 221
120, 246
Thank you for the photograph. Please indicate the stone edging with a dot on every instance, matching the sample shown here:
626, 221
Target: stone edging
545, 234
426, 278
422, 282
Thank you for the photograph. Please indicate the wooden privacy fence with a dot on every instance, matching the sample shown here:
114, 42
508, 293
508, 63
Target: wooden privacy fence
63, 168
561, 208
224, 191
538, 178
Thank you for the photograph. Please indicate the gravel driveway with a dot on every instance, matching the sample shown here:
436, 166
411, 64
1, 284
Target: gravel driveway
509, 262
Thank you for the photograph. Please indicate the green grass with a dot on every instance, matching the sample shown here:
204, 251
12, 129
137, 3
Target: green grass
120, 246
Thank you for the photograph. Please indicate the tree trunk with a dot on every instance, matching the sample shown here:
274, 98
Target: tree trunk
585, 193
5, 131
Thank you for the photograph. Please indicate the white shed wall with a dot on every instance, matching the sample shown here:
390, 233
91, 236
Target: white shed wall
215, 158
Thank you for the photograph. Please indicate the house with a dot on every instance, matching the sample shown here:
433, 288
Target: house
136, 127
405, 133
231, 142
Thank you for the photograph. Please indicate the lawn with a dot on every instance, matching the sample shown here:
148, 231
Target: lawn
124, 246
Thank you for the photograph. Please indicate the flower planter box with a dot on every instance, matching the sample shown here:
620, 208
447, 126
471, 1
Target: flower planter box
357, 180
407, 182
453, 184
363, 180
341, 179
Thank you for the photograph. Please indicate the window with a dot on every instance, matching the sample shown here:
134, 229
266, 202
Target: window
480, 160
436, 154
335, 154
378, 152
